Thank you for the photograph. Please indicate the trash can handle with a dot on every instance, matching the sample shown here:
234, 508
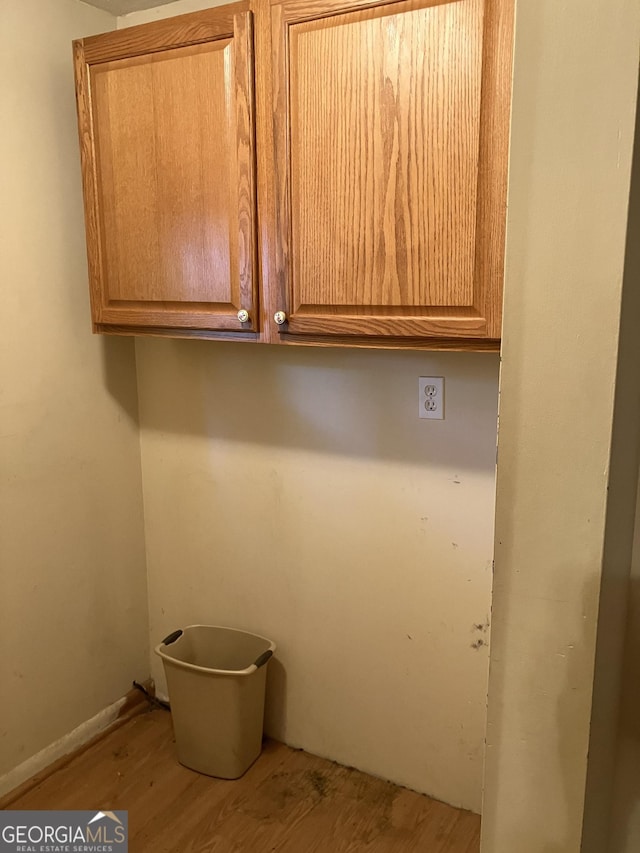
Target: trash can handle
262, 659
171, 638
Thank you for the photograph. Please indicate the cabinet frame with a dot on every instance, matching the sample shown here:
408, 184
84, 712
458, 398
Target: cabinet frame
234, 21
477, 327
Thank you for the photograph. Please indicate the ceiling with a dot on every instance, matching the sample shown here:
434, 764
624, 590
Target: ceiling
123, 7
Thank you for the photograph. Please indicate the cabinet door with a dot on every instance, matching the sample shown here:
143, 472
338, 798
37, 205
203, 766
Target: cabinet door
390, 155
167, 138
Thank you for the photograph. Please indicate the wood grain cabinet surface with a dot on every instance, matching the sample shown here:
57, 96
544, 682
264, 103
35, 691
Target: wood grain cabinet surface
166, 115
341, 164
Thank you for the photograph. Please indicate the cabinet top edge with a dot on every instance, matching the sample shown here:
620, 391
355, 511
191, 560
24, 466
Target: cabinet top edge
179, 31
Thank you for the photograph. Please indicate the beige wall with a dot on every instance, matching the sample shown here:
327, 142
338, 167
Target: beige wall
73, 623
562, 543
296, 493
167, 10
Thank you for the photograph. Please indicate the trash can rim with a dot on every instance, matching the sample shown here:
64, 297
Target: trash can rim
159, 650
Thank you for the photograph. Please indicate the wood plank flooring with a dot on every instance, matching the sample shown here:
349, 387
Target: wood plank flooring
289, 801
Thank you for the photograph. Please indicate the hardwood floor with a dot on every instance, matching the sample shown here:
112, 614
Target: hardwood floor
289, 801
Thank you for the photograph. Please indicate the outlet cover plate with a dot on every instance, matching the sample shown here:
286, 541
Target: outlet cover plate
431, 397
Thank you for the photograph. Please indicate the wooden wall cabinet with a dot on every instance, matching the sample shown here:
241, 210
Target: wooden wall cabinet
339, 164
167, 133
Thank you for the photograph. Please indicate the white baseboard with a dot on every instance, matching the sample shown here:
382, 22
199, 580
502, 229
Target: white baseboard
68, 743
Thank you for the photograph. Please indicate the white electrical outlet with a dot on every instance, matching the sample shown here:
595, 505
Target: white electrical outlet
431, 397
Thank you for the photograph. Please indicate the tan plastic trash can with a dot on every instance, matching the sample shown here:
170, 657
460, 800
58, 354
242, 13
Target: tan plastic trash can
216, 680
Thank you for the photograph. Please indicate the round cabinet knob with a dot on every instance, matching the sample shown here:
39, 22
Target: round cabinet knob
280, 317
243, 316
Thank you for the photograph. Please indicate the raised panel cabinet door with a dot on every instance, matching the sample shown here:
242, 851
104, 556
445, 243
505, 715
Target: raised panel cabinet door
390, 163
167, 141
